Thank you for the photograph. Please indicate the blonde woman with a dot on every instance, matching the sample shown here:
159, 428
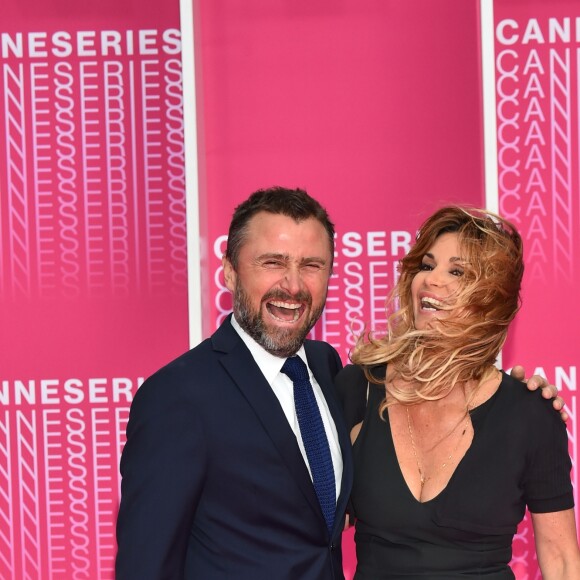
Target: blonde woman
448, 450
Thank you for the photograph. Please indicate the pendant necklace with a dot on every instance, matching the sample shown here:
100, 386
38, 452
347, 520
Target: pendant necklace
470, 404
423, 478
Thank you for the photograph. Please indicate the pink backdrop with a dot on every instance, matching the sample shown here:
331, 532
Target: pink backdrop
373, 106
367, 105
93, 279
537, 79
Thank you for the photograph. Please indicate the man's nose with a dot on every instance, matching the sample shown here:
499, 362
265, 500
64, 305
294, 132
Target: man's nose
292, 280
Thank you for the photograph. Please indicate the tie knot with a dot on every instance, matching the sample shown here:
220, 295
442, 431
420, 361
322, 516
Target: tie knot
295, 368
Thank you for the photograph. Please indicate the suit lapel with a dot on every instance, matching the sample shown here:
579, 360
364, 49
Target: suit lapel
245, 373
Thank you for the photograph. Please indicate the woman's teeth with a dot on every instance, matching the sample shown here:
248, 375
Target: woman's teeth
431, 304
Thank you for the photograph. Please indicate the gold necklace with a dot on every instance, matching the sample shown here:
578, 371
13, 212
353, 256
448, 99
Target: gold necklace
470, 405
423, 478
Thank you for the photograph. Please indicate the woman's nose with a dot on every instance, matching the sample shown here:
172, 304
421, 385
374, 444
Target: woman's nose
434, 277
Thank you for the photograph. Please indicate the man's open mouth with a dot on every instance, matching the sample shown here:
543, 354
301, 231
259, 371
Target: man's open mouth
284, 311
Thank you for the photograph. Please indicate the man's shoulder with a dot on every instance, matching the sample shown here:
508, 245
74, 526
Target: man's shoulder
186, 361
319, 346
202, 355
322, 350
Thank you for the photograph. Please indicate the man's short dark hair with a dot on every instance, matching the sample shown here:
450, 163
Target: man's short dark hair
294, 203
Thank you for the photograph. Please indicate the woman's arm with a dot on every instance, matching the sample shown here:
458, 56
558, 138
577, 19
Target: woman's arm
557, 545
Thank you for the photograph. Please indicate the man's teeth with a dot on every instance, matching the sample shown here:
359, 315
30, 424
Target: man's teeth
288, 306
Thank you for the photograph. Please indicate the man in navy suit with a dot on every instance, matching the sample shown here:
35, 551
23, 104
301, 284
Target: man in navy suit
216, 479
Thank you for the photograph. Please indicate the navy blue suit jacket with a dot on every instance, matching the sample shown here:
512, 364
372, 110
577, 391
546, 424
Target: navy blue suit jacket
214, 485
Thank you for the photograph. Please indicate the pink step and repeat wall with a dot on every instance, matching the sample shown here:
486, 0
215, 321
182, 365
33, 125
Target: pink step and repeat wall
374, 106
537, 49
93, 273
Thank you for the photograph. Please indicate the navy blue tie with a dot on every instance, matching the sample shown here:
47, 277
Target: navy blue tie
313, 437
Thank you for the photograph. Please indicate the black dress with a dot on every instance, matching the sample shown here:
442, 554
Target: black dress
518, 457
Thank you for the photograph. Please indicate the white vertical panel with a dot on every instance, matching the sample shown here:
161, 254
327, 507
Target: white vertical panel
489, 113
191, 173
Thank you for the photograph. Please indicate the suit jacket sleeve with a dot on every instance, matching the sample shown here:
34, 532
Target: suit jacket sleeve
162, 468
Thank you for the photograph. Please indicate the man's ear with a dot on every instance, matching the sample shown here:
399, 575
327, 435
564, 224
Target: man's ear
229, 274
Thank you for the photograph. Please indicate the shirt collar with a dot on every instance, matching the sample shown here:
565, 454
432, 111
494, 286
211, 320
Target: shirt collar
269, 364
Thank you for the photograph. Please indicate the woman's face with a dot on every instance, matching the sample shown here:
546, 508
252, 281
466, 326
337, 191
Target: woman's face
435, 287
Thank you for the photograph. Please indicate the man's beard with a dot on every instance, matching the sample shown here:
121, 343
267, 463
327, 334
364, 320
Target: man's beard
281, 342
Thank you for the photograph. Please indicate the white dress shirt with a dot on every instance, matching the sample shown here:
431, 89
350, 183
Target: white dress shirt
283, 388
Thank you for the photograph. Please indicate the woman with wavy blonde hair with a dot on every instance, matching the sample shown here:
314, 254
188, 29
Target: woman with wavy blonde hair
448, 450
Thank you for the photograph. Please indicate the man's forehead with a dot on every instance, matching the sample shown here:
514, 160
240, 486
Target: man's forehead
281, 234
283, 226
266, 218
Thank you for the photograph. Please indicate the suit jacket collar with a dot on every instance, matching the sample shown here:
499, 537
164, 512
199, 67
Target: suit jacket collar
245, 373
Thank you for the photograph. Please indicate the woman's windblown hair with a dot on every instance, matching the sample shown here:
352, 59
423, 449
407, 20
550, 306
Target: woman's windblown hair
464, 345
